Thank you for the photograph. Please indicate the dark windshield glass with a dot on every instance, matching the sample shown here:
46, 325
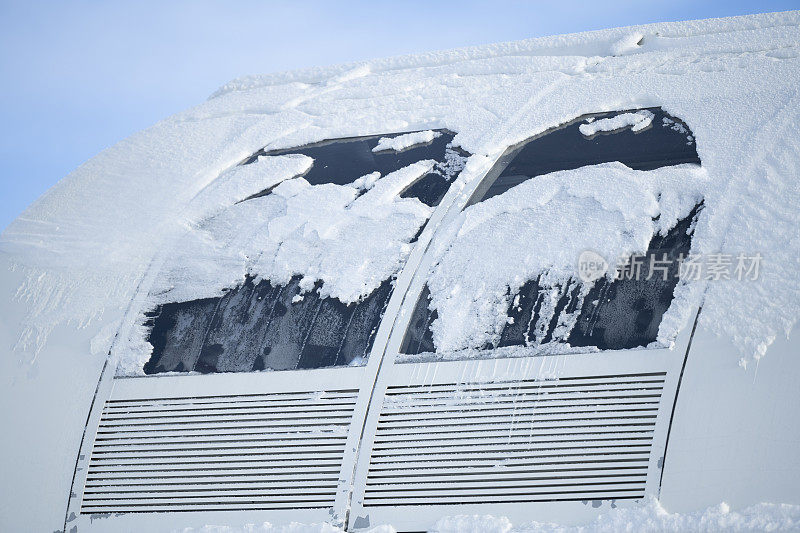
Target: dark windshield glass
666, 141
615, 314
257, 325
341, 161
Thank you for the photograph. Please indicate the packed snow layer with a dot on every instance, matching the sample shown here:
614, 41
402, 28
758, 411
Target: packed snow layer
401, 142
628, 44
648, 518
637, 121
99, 238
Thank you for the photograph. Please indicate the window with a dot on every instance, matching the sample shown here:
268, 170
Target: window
665, 141
260, 324
340, 161
606, 314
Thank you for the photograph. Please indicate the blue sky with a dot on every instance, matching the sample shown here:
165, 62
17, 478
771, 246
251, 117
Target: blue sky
78, 76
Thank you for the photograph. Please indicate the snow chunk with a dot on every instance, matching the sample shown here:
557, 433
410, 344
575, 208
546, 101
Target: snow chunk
627, 44
324, 233
244, 181
472, 524
365, 183
401, 142
638, 121
541, 227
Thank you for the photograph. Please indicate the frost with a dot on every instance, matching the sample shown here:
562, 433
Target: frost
401, 142
453, 163
637, 121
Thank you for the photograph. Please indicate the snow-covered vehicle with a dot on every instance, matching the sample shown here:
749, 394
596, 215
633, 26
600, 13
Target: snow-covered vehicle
532, 280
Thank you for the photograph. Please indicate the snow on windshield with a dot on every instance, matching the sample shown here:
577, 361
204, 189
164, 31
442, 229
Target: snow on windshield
537, 230
306, 268
514, 256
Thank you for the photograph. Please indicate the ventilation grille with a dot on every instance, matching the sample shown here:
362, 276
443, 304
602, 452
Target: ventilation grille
585, 438
237, 452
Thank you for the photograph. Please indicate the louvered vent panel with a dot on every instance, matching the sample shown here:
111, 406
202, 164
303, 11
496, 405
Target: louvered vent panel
234, 452
582, 438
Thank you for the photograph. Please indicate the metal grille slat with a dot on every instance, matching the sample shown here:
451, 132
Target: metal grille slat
483, 433
190, 474
572, 439
229, 430
227, 452
252, 504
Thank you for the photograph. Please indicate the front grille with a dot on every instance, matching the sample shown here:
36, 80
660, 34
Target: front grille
232, 452
574, 439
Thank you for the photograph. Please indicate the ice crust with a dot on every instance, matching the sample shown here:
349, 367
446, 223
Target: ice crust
160, 200
637, 121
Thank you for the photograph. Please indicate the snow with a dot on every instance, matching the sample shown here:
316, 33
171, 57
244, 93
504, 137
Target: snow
650, 517
637, 121
366, 182
98, 237
547, 348
608, 208
322, 232
330, 233
401, 142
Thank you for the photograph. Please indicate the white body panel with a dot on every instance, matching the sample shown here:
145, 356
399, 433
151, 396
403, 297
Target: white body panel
44, 412
735, 436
